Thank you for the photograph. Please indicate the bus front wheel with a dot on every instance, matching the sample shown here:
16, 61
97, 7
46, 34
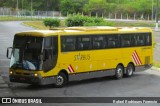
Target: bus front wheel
119, 72
61, 80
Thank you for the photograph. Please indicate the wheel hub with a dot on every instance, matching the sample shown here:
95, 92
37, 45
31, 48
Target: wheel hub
119, 72
60, 80
130, 70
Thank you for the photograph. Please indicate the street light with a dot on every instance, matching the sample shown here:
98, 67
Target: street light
156, 28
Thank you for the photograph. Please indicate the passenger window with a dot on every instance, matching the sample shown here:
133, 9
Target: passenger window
84, 43
148, 39
133, 40
113, 41
68, 43
99, 42
126, 42
140, 39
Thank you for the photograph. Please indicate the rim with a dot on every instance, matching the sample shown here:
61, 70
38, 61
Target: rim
130, 71
59, 80
119, 72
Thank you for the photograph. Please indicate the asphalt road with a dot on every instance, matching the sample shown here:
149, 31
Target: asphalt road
142, 84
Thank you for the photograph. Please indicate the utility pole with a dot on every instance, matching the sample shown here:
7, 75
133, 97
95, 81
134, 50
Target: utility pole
156, 28
31, 8
17, 8
22, 8
152, 10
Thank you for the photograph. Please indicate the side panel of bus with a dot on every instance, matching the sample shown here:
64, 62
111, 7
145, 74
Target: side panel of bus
85, 61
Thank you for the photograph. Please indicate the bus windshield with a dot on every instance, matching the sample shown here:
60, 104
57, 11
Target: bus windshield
26, 53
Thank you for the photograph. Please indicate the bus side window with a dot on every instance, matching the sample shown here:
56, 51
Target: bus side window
68, 44
133, 40
99, 42
148, 41
84, 43
113, 41
140, 39
126, 41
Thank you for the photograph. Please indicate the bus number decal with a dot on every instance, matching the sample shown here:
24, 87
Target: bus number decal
82, 57
136, 58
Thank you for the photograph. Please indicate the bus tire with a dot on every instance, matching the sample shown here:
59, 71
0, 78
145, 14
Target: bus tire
129, 70
61, 80
119, 72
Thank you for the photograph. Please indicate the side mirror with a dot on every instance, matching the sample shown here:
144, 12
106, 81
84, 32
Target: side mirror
9, 52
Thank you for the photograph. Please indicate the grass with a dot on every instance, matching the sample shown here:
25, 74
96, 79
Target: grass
116, 24
40, 25
36, 24
156, 64
14, 18
134, 24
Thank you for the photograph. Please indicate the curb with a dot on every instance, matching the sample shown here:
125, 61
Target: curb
155, 68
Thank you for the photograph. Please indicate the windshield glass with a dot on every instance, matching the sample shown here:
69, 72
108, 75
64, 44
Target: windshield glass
26, 53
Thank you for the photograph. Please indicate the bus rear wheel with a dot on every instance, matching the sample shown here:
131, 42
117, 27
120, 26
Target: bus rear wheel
119, 72
129, 70
61, 80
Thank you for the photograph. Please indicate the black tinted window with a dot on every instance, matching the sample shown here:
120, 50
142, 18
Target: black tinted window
68, 43
126, 41
84, 42
99, 42
112, 41
140, 38
148, 39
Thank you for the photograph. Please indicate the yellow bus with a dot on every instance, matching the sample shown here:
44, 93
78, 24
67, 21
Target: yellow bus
61, 55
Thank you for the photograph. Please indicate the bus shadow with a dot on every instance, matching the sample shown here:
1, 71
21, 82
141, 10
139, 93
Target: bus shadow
97, 80
76, 83
70, 84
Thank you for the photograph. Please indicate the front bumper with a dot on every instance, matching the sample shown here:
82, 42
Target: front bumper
32, 79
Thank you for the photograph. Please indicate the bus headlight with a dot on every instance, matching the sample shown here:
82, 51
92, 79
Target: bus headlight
11, 72
35, 75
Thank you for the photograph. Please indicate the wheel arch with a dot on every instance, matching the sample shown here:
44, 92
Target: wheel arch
121, 65
65, 72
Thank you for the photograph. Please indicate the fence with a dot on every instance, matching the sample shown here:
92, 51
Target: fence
44, 14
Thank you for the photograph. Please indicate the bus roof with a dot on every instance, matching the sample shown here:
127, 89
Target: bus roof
88, 30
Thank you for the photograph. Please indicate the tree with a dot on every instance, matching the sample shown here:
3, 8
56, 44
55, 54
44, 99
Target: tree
72, 6
95, 6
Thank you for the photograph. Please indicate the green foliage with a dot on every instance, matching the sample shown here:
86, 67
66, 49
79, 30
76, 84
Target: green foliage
51, 22
72, 6
79, 20
96, 6
76, 20
44, 5
87, 6
106, 23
